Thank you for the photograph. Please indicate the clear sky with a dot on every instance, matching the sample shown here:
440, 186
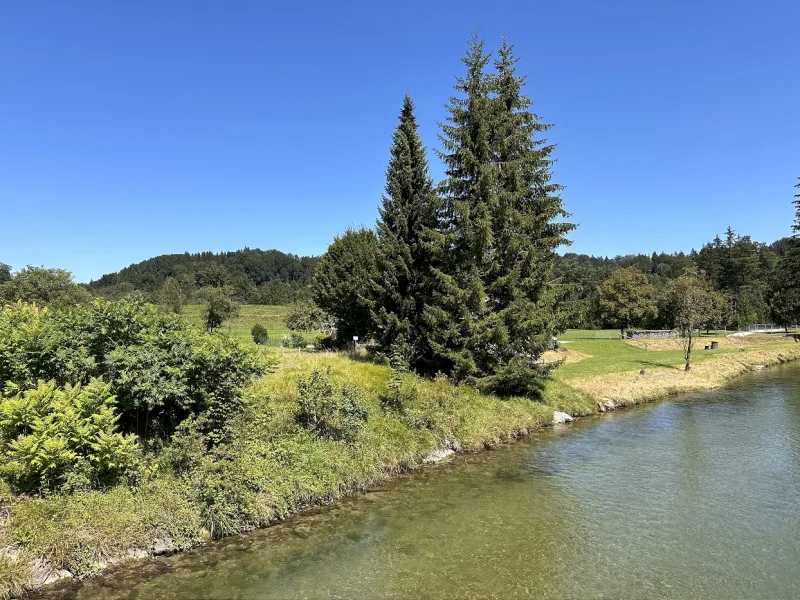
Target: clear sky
131, 129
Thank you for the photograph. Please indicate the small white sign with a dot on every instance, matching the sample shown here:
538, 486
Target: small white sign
355, 338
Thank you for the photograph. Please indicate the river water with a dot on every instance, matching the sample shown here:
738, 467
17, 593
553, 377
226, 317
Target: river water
697, 497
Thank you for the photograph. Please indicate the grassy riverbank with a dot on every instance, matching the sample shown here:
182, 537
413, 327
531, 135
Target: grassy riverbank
270, 467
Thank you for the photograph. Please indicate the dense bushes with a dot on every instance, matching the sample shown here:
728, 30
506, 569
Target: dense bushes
158, 368
54, 438
332, 412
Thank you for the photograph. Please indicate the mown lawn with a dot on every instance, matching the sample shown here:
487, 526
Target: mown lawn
606, 353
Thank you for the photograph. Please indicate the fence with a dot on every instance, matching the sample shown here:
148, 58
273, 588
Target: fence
770, 328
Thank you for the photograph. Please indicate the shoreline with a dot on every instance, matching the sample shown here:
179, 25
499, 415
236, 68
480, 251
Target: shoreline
594, 395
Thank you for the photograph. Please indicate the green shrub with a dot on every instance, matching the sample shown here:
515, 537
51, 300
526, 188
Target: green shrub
53, 438
259, 333
293, 340
158, 367
335, 413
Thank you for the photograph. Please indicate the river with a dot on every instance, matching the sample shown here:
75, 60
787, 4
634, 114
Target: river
695, 497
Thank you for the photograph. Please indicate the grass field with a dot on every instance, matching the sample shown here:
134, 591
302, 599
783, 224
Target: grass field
271, 317
605, 353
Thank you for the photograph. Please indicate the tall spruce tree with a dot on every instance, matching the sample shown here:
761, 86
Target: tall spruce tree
463, 244
527, 227
496, 310
408, 217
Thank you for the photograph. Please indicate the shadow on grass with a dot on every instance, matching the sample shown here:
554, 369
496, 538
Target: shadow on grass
654, 364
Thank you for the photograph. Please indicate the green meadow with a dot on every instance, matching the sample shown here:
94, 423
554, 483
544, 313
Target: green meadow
273, 318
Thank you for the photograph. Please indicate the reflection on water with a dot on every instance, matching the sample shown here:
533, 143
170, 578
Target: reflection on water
692, 498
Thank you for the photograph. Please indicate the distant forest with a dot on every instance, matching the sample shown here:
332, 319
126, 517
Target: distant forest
256, 276
745, 271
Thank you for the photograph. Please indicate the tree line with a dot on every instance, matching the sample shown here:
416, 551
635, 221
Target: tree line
753, 279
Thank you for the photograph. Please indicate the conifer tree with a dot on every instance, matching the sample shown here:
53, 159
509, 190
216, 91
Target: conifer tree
408, 216
463, 243
527, 227
495, 311
786, 296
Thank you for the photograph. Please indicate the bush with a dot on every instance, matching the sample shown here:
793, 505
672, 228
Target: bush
159, 369
335, 413
293, 340
259, 333
53, 438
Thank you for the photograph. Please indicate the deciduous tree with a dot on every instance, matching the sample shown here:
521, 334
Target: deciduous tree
172, 296
218, 306
627, 299
344, 282
690, 297
54, 288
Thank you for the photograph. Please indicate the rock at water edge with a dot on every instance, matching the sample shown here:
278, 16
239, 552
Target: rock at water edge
438, 455
561, 417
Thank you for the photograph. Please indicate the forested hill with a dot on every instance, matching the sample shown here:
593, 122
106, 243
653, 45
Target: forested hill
258, 276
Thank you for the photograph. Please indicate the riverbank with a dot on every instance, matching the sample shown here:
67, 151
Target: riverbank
271, 470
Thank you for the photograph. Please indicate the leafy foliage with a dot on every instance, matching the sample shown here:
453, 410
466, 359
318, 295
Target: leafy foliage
332, 412
293, 340
307, 316
44, 287
627, 299
172, 297
159, 369
218, 306
690, 301
53, 438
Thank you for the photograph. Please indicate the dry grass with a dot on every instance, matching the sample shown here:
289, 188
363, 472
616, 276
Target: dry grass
725, 343
632, 387
565, 354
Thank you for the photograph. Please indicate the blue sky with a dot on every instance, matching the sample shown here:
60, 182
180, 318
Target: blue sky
131, 129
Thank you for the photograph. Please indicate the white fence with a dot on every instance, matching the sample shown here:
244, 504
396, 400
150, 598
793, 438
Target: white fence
769, 328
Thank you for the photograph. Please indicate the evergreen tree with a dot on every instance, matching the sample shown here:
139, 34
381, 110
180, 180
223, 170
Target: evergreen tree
796, 224
526, 231
408, 217
495, 309
785, 303
463, 244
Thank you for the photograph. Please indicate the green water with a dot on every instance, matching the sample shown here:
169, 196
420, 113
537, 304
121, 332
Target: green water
693, 498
